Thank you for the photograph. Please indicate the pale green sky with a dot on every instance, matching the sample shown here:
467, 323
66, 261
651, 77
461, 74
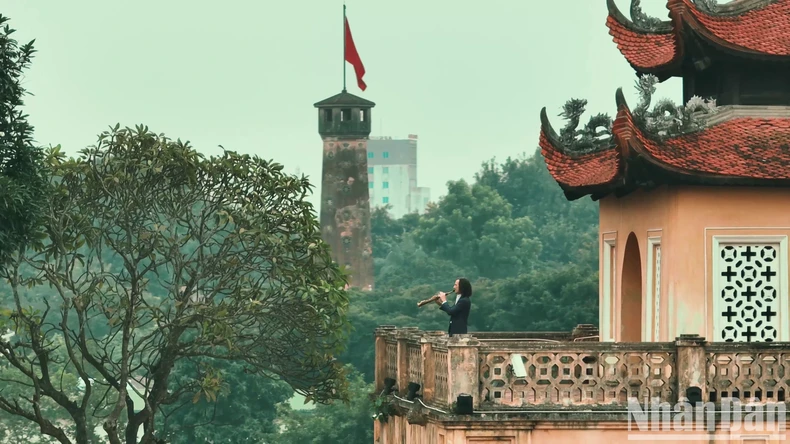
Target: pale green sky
469, 78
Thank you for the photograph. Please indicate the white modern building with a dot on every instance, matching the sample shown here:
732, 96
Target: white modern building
392, 176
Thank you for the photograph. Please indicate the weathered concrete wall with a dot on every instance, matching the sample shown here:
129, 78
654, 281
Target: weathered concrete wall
345, 207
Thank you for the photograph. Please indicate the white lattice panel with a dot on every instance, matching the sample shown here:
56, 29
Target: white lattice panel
748, 291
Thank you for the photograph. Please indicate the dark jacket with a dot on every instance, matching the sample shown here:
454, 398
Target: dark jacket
459, 314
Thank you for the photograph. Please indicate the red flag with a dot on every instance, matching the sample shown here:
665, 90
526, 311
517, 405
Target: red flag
352, 57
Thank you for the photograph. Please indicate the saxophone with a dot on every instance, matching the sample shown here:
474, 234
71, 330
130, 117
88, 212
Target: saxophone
432, 299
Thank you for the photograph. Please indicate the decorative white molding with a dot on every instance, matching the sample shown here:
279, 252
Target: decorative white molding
780, 241
652, 310
609, 286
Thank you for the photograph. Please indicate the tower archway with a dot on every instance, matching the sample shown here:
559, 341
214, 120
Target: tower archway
631, 292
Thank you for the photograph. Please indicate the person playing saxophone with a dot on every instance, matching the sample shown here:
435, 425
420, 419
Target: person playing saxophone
459, 312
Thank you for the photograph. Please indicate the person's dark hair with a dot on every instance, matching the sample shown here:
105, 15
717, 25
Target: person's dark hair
465, 287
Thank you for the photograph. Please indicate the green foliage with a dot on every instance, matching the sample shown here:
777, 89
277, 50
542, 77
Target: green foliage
473, 226
330, 424
23, 176
243, 411
547, 299
156, 255
410, 265
386, 232
383, 408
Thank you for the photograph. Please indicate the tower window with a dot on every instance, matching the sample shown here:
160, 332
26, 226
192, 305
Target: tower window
385, 199
385, 185
363, 115
345, 115
386, 155
327, 115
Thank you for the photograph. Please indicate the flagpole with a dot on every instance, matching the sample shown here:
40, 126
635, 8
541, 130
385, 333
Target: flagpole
344, 46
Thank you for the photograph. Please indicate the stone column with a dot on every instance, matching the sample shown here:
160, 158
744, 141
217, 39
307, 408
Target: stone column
381, 355
690, 365
464, 374
428, 365
403, 335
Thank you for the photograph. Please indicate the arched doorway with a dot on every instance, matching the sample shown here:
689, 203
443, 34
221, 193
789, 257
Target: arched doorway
631, 293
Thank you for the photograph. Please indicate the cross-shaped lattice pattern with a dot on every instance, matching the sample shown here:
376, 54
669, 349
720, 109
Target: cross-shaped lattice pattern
748, 293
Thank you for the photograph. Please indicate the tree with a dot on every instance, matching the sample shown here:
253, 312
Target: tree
23, 177
473, 227
329, 424
408, 265
156, 255
387, 232
563, 227
244, 412
547, 299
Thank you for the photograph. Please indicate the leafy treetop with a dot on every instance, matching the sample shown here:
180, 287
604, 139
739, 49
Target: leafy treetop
23, 177
156, 255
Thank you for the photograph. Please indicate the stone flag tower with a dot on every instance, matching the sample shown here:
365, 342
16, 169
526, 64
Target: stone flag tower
344, 126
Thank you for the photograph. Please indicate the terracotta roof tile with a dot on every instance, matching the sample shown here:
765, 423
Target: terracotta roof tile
580, 171
764, 30
643, 50
756, 148
750, 149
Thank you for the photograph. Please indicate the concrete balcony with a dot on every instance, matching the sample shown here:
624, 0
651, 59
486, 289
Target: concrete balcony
556, 373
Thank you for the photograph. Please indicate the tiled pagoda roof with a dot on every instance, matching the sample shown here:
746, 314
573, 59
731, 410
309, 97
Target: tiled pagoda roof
735, 150
756, 28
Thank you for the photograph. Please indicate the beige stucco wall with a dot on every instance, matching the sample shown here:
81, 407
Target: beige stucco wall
684, 219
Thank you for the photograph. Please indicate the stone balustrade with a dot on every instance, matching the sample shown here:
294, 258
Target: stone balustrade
509, 370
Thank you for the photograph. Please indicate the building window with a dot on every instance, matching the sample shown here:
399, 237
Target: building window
345, 115
363, 115
386, 155
370, 155
327, 115
385, 199
370, 170
749, 285
385, 185
370, 185
386, 170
